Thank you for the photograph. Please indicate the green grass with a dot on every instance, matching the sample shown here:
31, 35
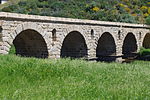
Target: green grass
65, 79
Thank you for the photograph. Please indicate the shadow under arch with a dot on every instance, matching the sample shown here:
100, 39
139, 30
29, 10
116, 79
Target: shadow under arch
30, 43
106, 48
129, 48
146, 41
74, 46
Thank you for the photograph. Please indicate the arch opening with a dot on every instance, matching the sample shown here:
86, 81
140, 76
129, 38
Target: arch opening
92, 33
129, 48
74, 46
106, 48
146, 41
1, 33
54, 35
30, 43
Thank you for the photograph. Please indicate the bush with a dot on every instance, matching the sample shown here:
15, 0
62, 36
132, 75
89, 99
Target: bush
127, 18
148, 20
12, 50
45, 12
7, 9
22, 3
144, 52
56, 6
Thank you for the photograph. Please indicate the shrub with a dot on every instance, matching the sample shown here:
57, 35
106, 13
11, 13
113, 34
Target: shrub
149, 10
101, 15
96, 9
57, 6
148, 20
144, 52
127, 9
43, 4
6, 9
12, 50
22, 3
22, 11
34, 12
127, 18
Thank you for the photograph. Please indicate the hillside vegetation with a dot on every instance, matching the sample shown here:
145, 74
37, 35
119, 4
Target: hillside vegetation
131, 11
65, 79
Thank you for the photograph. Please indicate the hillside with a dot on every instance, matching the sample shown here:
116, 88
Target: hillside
10, 2
47, 79
131, 11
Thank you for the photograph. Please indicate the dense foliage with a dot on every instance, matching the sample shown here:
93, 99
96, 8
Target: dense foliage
132, 11
144, 52
12, 50
65, 79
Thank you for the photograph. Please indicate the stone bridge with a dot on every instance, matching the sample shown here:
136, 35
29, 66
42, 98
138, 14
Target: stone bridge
54, 37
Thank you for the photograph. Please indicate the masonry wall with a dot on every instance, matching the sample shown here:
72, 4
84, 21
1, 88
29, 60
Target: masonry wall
13, 24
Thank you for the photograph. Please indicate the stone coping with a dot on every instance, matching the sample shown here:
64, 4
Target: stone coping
6, 15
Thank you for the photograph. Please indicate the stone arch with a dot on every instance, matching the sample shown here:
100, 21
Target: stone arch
146, 41
129, 47
99, 34
106, 47
74, 46
75, 29
29, 40
30, 43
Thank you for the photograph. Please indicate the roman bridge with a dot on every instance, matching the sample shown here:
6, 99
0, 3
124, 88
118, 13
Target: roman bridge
54, 37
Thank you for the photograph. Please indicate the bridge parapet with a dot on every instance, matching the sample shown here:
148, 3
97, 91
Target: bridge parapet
68, 20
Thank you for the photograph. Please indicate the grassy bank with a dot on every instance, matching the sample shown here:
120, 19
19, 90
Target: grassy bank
130, 11
65, 79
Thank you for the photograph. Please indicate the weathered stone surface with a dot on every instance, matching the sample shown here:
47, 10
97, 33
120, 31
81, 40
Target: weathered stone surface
34, 36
